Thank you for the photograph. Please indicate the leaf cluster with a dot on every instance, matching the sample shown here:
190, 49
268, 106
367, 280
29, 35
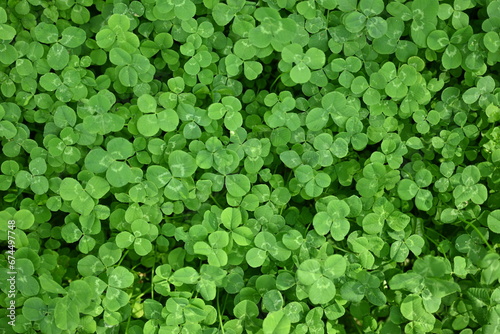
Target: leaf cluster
275, 167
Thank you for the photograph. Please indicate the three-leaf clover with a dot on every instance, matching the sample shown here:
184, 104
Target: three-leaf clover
333, 220
83, 199
409, 189
35, 178
266, 243
470, 188
356, 21
313, 182
141, 237
151, 121
318, 277
111, 161
312, 59
214, 248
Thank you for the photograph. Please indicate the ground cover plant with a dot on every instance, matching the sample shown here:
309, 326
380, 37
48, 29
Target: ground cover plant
266, 167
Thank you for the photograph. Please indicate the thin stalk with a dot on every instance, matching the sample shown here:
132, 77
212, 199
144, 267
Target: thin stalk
137, 265
224, 305
152, 275
357, 326
479, 233
274, 82
340, 249
179, 216
219, 313
128, 322
123, 257
141, 294
434, 242
217, 203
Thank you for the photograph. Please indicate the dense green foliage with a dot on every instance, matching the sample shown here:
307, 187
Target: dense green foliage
266, 167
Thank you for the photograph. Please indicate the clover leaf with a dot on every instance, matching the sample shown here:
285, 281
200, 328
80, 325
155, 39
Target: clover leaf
470, 189
312, 59
250, 166
409, 189
141, 237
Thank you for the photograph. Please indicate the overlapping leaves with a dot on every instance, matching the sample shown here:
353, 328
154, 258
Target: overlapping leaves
234, 166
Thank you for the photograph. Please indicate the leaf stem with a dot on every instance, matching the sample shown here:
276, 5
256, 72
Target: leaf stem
141, 294
356, 325
274, 82
219, 313
179, 216
152, 275
137, 265
123, 257
479, 233
224, 305
433, 241
436, 232
128, 322
340, 249
216, 202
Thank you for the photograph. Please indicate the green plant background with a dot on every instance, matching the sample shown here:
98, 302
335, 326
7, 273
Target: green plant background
266, 167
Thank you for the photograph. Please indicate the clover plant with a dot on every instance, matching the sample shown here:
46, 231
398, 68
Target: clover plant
232, 166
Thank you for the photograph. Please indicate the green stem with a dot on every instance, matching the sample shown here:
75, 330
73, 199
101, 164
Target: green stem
141, 294
283, 208
153, 275
356, 325
479, 233
128, 322
123, 257
137, 265
216, 203
442, 236
219, 313
224, 306
274, 82
179, 216
340, 249
434, 242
